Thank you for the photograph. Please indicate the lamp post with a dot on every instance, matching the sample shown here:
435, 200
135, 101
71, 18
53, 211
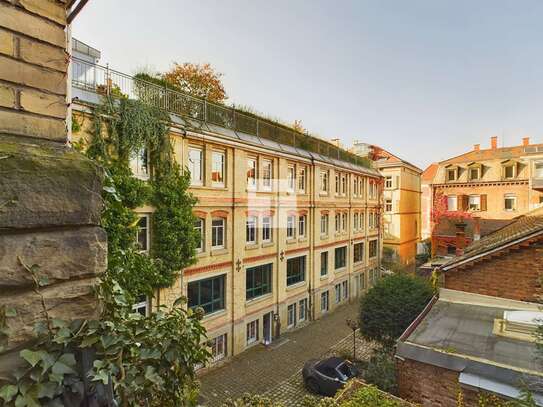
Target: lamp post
353, 324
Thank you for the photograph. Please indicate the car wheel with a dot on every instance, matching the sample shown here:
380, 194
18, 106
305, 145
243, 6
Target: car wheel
312, 385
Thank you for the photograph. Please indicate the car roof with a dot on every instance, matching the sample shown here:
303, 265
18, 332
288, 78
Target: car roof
332, 362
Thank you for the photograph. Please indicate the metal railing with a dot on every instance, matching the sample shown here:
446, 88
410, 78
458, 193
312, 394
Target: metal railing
103, 80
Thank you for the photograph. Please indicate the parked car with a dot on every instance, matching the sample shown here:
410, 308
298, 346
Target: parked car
326, 377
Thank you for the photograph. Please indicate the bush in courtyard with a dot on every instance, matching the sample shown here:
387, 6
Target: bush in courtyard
380, 370
391, 305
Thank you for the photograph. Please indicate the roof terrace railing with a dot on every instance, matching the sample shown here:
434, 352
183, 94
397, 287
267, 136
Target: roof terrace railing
106, 81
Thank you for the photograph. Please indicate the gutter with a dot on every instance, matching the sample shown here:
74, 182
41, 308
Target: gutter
418, 319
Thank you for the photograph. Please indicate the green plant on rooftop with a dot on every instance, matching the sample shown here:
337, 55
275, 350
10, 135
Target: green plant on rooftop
391, 305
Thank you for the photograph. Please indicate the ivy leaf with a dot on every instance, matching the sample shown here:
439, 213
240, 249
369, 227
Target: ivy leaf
11, 312
43, 280
89, 341
152, 376
8, 392
64, 365
47, 390
31, 357
48, 360
101, 376
20, 401
180, 301
147, 353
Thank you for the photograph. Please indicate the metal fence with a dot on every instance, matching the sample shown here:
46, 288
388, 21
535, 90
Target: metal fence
106, 81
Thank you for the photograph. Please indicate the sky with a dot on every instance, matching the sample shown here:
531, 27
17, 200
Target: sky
424, 79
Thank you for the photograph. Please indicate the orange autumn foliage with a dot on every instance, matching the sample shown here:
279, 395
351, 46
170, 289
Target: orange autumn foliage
198, 80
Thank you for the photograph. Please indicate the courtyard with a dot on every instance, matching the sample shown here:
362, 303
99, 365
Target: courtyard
275, 371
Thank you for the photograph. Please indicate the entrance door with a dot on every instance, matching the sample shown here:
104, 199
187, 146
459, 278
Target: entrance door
267, 327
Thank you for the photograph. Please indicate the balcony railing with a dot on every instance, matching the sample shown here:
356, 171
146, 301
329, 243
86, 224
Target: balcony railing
103, 80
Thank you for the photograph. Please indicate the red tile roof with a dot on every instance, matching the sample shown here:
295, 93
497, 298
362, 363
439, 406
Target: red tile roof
430, 172
490, 154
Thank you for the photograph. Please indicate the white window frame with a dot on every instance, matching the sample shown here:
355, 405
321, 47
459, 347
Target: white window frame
251, 333
343, 184
302, 310
267, 174
344, 222
325, 301
476, 203
337, 289
146, 229
454, 172
252, 165
388, 182
196, 176
325, 181
338, 186
325, 220
302, 180
219, 349
142, 304
291, 227
513, 169
201, 228
538, 172
251, 230
338, 222
222, 164
355, 221
291, 177
388, 205
471, 178
452, 203
302, 225
214, 231
345, 289
291, 315
139, 166
512, 197
267, 224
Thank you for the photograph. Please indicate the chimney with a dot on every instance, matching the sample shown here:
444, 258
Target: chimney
476, 147
460, 238
526, 141
476, 228
494, 142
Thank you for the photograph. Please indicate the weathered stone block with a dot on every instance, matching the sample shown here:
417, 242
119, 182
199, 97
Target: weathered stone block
70, 300
43, 103
23, 124
47, 184
7, 96
60, 254
43, 54
34, 76
6, 43
50, 9
20, 21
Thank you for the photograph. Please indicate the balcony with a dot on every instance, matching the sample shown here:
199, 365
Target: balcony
90, 81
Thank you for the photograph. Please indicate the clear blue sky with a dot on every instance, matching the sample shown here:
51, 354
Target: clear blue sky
425, 79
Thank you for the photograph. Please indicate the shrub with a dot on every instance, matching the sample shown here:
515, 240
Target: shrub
381, 371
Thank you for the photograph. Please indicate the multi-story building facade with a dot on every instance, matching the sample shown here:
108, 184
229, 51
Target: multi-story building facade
401, 202
287, 234
490, 186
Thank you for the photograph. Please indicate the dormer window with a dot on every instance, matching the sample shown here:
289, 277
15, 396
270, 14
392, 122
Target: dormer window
509, 169
474, 173
452, 174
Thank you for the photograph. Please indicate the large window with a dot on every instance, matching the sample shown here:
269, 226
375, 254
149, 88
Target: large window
388, 181
358, 250
302, 306
295, 270
266, 229
139, 163
343, 185
474, 203
218, 348
324, 224
291, 226
325, 301
143, 233
266, 174
345, 289
324, 263
217, 233
291, 315
355, 221
338, 222
290, 177
373, 248
337, 288
258, 281
301, 180
337, 184
302, 221
388, 205
324, 180
510, 202
199, 225
217, 170
451, 174
141, 306
344, 221
474, 173
251, 173
250, 230
340, 257
509, 171
207, 293
252, 332
452, 203
196, 165
355, 187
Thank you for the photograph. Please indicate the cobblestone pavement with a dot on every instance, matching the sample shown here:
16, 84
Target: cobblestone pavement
276, 371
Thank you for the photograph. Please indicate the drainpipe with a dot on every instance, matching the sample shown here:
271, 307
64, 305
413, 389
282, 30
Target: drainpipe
233, 268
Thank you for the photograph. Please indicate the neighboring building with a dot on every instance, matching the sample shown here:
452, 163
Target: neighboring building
494, 184
401, 202
471, 343
287, 232
426, 180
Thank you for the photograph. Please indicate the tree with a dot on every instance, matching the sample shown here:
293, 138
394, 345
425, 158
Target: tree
298, 126
391, 305
198, 80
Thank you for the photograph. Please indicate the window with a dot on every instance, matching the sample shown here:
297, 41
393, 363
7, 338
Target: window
140, 306
345, 289
370, 220
343, 185
139, 163
195, 166
295, 270
451, 175
362, 221
509, 171
302, 306
301, 225
258, 281
388, 182
207, 293
358, 252
252, 332
250, 231
538, 169
218, 348
361, 187
337, 184
325, 301
373, 248
251, 173
142, 234
266, 229
510, 202
474, 203
474, 173
388, 205
337, 288
324, 263
301, 180
324, 224
324, 181
355, 221
199, 226
452, 203
355, 187
291, 226
266, 174
291, 178
362, 282
217, 233
340, 257
217, 170
344, 222
291, 315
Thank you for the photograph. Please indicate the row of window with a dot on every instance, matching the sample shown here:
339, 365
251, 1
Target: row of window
475, 172
477, 203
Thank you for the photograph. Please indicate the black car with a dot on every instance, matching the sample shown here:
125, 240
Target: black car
327, 376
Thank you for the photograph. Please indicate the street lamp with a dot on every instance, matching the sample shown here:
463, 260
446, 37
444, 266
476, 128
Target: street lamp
353, 324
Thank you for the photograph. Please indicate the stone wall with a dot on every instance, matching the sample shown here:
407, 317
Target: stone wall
516, 275
50, 195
